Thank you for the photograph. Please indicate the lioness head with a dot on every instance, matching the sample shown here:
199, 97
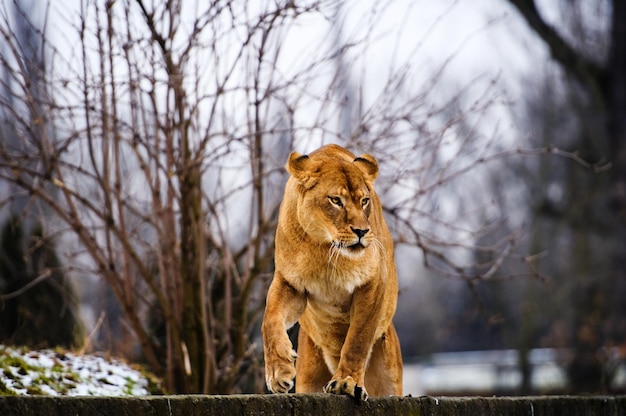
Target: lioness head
335, 197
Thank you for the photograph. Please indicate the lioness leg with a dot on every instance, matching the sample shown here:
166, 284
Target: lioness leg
311, 371
383, 376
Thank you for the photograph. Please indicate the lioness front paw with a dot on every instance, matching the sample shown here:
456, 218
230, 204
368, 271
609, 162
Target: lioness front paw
280, 371
346, 386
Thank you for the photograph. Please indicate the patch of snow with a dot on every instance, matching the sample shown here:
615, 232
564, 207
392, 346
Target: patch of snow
49, 372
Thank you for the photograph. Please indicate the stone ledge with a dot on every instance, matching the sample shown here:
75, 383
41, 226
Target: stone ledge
311, 404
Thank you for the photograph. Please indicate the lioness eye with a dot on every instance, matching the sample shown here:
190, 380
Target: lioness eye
335, 200
364, 202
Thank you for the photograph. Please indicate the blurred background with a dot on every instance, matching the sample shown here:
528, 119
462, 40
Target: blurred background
142, 147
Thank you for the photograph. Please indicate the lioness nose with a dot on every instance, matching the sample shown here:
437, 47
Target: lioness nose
360, 232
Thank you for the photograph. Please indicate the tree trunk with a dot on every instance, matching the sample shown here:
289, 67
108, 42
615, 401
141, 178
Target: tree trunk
606, 86
616, 105
192, 272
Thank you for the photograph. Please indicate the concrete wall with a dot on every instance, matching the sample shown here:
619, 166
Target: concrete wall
309, 404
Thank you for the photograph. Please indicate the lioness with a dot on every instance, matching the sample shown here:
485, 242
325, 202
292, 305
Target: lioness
335, 274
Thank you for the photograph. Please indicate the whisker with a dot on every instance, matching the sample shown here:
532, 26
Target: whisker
330, 256
375, 242
382, 252
333, 258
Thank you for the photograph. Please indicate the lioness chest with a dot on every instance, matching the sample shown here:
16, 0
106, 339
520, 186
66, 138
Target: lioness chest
330, 286
329, 299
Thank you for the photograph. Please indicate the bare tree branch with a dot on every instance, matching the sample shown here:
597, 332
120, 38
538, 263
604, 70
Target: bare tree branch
584, 70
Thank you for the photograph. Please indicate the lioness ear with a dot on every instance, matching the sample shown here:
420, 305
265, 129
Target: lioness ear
297, 163
368, 166
301, 167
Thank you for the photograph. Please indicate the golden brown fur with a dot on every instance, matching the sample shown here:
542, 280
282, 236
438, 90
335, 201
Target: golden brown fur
335, 274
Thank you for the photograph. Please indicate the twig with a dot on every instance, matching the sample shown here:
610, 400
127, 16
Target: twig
43, 276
